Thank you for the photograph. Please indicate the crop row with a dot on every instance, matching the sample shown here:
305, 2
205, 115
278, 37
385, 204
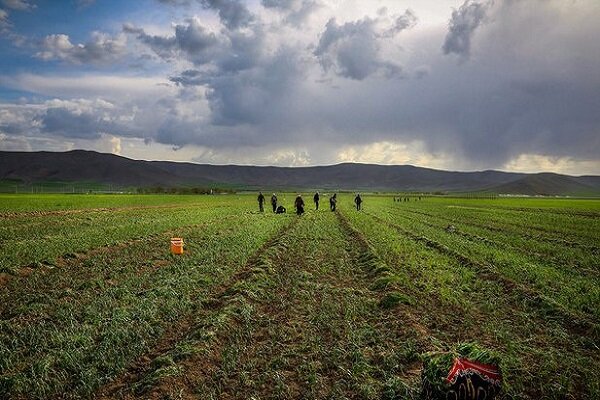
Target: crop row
560, 228
308, 323
72, 329
456, 303
577, 292
34, 241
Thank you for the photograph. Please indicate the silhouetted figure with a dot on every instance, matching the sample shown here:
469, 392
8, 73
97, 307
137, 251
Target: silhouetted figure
274, 202
316, 200
261, 202
333, 202
281, 210
358, 201
299, 204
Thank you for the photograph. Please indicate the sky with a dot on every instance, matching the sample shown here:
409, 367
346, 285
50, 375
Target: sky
511, 85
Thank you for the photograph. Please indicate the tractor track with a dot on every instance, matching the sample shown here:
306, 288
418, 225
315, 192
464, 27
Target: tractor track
215, 301
374, 267
277, 309
575, 322
208, 368
413, 313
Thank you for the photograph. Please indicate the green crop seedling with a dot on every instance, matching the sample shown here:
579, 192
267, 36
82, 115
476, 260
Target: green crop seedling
328, 305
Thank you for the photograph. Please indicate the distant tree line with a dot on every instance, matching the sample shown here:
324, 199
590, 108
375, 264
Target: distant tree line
182, 190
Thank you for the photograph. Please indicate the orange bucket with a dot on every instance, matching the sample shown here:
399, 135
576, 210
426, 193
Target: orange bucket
176, 245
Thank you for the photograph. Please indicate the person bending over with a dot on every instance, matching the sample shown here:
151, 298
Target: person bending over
333, 202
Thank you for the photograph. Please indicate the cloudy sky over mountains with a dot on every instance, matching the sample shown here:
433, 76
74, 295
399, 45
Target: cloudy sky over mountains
453, 84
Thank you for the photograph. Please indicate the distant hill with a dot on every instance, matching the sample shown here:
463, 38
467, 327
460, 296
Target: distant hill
90, 166
550, 184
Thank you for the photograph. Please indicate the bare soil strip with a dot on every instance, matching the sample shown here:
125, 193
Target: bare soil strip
365, 256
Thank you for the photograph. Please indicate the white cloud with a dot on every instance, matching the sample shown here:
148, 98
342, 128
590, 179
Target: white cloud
394, 153
114, 87
108, 144
4, 21
101, 49
14, 143
21, 5
543, 163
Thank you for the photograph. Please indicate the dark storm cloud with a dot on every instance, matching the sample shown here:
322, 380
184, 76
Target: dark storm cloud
352, 50
296, 11
480, 114
228, 52
191, 39
66, 123
83, 119
194, 39
189, 77
402, 22
463, 24
233, 13
242, 97
280, 4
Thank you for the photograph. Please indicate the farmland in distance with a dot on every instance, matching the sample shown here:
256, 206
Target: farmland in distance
327, 305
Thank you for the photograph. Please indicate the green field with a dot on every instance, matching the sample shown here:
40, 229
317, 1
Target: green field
329, 305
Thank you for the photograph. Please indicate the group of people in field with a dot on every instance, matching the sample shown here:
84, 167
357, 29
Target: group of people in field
405, 199
299, 203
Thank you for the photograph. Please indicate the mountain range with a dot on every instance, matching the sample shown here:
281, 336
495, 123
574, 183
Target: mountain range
90, 166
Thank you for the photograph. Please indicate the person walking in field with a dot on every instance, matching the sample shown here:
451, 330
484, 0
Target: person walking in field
333, 202
316, 200
261, 202
274, 202
299, 204
358, 201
